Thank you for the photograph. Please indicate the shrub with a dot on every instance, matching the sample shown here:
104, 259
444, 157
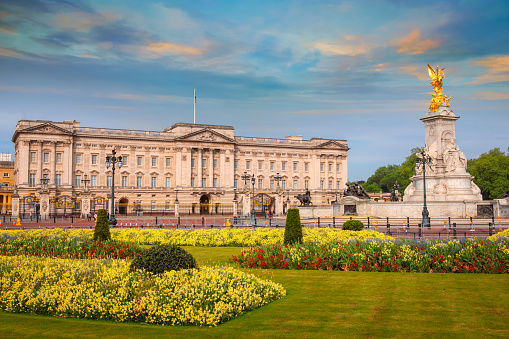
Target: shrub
293, 227
353, 225
159, 259
102, 228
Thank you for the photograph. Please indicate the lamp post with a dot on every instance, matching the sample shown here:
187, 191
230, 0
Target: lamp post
424, 160
287, 200
85, 181
246, 178
277, 178
112, 160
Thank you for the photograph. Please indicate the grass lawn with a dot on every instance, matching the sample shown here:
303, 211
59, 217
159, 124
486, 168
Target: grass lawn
324, 304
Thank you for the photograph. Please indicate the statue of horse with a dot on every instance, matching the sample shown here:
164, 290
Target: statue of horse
305, 199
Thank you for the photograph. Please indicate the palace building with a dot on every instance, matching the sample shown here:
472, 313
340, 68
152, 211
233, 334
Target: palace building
201, 167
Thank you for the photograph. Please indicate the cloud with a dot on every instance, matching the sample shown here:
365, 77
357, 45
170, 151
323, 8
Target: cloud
490, 95
353, 45
154, 50
127, 96
7, 30
82, 21
338, 111
419, 72
497, 69
413, 45
8, 52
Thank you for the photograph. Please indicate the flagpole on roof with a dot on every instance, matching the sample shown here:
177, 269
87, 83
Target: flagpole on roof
194, 121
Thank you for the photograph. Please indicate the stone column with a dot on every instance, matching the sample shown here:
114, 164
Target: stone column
199, 167
178, 166
235, 205
44, 201
246, 203
177, 205
223, 181
279, 202
15, 204
315, 179
53, 163
25, 163
38, 174
211, 168
85, 203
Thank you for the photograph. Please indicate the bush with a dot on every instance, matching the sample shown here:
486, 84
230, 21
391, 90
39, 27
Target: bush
353, 225
159, 259
102, 228
293, 227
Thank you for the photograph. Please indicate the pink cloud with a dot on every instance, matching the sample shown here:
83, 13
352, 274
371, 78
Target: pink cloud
497, 69
412, 44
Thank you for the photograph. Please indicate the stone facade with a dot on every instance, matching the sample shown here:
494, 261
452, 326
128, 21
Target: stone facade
205, 163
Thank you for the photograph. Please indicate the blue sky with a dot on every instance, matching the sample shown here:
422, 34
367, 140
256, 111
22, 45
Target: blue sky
353, 70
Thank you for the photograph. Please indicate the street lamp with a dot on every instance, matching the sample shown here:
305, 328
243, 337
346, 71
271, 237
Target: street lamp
278, 178
235, 194
246, 178
85, 181
424, 160
176, 195
288, 199
112, 160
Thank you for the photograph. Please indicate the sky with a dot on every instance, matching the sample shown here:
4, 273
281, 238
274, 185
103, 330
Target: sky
349, 70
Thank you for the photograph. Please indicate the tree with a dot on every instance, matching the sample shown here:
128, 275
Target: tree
491, 173
385, 177
102, 228
293, 227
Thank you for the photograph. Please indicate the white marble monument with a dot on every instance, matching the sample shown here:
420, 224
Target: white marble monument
447, 179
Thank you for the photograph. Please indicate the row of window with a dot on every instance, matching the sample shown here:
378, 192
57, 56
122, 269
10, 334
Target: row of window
139, 162
153, 182
125, 158
283, 166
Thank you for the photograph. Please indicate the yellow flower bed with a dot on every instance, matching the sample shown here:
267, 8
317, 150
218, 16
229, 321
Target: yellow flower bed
105, 289
503, 234
208, 237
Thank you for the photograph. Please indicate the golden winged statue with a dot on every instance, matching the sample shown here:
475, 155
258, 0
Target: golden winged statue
436, 80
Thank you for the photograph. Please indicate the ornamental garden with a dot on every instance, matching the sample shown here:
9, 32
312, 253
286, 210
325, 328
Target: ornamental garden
147, 276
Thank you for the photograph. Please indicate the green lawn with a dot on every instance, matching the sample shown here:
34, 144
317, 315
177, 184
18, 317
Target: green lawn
324, 304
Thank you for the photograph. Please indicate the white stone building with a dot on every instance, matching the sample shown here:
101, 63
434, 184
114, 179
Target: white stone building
204, 163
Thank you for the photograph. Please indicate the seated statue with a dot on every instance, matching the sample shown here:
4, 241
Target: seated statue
356, 190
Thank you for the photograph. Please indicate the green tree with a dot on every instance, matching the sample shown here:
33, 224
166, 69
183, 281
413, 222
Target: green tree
385, 177
102, 228
491, 173
293, 227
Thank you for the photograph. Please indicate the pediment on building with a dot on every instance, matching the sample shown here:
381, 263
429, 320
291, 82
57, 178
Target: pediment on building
206, 135
46, 128
332, 144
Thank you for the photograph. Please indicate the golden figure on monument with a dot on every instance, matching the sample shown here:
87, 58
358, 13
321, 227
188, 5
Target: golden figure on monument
436, 81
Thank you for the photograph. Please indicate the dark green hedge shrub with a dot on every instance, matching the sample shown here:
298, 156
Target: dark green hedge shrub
159, 259
353, 225
293, 227
102, 228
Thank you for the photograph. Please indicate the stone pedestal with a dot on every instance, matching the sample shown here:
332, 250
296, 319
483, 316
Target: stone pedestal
447, 179
15, 204
85, 204
246, 201
44, 202
235, 205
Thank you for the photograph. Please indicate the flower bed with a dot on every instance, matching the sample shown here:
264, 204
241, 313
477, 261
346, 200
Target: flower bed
200, 237
462, 256
61, 244
105, 289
